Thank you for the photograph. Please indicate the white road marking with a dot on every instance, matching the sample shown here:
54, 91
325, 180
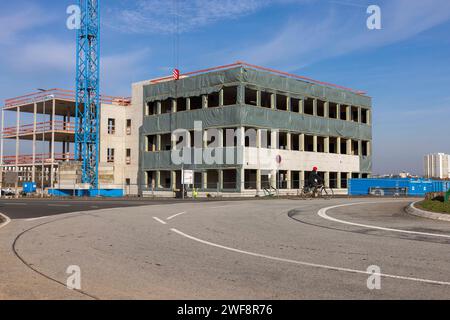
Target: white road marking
38, 218
58, 205
227, 206
16, 203
159, 220
176, 215
308, 264
323, 213
7, 220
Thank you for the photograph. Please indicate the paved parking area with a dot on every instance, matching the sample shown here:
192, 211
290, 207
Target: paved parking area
277, 249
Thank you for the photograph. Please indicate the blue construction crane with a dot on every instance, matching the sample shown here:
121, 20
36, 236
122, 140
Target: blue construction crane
88, 92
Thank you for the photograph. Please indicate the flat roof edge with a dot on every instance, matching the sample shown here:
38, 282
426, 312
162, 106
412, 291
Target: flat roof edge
259, 68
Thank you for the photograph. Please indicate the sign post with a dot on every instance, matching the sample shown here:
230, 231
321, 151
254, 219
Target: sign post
279, 159
187, 178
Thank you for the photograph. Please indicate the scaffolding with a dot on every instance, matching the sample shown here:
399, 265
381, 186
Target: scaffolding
46, 121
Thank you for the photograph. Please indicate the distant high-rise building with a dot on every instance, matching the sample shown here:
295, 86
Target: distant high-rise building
437, 166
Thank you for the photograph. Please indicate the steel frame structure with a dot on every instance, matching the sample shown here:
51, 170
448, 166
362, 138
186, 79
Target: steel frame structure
87, 132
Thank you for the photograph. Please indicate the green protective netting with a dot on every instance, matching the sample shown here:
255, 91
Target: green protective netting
214, 81
365, 165
248, 116
163, 160
243, 115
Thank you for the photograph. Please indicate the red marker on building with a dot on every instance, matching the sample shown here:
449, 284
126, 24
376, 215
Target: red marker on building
176, 74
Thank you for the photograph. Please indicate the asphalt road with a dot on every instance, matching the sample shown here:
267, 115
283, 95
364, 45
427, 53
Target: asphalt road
275, 249
35, 208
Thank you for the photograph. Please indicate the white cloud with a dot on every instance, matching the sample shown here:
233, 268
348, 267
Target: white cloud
158, 16
336, 30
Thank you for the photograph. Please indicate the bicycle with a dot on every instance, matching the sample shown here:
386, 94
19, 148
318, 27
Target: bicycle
321, 192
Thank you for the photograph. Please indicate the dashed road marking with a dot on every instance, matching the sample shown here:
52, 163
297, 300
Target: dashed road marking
159, 220
176, 215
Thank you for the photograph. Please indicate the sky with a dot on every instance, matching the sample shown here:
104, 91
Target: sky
404, 67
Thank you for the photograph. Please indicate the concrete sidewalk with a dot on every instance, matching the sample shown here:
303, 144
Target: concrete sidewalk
18, 281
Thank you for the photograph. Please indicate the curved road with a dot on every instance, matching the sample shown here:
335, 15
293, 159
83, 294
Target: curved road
274, 249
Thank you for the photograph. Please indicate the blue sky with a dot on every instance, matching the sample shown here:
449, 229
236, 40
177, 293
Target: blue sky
405, 66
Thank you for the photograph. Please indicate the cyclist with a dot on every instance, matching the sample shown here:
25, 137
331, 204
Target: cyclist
315, 181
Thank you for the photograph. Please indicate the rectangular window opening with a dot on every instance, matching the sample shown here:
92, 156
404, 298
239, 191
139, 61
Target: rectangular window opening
110, 155
320, 108
213, 100
309, 106
230, 179
196, 103
281, 102
251, 97
333, 114
295, 105
266, 99
128, 127
181, 104
230, 96
111, 126
166, 106
309, 143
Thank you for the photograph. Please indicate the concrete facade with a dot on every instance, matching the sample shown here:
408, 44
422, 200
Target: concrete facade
299, 123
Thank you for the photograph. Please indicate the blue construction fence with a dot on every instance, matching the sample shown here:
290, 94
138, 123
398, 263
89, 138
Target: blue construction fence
107, 193
396, 187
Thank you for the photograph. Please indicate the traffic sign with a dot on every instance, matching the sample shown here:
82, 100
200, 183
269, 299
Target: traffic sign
188, 177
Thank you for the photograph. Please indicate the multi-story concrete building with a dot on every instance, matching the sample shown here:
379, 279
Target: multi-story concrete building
437, 166
245, 129
281, 127
43, 135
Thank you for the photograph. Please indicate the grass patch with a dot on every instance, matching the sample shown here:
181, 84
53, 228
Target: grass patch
435, 206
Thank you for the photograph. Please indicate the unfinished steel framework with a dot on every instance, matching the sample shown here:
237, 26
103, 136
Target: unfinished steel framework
45, 122
302, 122
87, 127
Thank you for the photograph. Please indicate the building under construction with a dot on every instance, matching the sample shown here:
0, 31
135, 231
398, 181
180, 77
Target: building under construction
45, 127
298, 123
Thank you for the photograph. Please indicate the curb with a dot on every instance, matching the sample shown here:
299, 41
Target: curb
7, 220
411, 209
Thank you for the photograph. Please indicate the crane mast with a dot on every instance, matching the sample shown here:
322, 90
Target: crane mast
88, 92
